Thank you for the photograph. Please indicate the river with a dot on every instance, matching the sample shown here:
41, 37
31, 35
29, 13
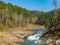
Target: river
37, 35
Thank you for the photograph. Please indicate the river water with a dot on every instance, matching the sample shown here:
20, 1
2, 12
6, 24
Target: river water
38, 35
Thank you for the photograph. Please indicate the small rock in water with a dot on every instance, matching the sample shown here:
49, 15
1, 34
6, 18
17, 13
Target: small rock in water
37, 42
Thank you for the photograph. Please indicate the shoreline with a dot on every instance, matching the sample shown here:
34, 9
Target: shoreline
16, 34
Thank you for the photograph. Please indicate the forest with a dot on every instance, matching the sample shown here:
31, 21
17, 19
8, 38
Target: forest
15, 16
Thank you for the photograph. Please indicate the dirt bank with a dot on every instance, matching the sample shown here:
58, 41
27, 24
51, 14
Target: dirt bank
16, 34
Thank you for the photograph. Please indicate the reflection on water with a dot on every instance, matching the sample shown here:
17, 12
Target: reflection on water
36, 36
28, 42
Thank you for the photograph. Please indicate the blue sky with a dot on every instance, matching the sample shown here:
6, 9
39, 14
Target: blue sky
42, 5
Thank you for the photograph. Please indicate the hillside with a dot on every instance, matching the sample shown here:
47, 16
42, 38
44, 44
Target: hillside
12, 16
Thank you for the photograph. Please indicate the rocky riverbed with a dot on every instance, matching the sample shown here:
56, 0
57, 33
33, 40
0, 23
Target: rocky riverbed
49, 41
18, 34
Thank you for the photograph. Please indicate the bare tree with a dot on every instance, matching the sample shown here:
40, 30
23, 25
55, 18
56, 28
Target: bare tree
6, 18
55, 4
55, 12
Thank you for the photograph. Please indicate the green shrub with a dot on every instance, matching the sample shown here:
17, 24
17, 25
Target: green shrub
56, 33
2, 28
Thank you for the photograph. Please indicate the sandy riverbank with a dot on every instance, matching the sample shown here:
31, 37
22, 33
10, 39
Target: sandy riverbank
15, 34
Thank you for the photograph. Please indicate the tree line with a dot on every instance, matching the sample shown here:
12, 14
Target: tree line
13, 15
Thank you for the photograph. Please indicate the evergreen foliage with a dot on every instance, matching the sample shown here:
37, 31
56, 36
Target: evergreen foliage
12, 16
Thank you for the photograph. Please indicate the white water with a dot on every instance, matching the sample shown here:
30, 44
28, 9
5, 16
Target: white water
34, 37
37, 35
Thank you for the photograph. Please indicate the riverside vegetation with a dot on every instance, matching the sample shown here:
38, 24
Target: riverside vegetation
12, 16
